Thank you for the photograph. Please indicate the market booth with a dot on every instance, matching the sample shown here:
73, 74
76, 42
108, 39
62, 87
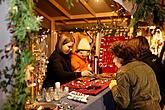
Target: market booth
85, 93
102, 22
87, 21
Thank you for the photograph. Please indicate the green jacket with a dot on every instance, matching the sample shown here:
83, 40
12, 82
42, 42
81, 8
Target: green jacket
137, 88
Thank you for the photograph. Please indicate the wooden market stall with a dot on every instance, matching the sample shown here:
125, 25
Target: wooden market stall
102, 22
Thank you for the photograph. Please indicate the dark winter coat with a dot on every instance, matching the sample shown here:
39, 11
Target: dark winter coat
155, 63
59, 70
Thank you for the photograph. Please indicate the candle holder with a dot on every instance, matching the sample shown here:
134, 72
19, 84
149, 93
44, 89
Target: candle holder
96, 68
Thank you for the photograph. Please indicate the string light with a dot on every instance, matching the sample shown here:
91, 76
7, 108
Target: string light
15, 48
28, 28
39, 18
15, 9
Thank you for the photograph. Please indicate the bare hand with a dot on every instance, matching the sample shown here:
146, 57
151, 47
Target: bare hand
86, 73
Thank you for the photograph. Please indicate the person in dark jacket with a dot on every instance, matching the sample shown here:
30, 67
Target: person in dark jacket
162, 54
162, 58
59, 66
135, 87
141, 49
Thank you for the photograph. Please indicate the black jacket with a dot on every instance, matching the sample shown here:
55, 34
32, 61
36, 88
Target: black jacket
59, 70
155, 63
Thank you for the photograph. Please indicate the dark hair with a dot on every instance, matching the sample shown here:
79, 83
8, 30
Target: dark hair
62, 40
139, 47
119, 50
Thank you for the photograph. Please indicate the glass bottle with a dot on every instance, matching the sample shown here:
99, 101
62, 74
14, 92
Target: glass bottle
57, 91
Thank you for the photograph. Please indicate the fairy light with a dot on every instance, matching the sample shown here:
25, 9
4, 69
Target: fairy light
39, 18
55, 32
28, 28
97, 1
15, 48
15, 8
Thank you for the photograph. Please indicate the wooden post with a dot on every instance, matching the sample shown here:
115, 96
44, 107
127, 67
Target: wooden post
32, 87
98, 40
53, 38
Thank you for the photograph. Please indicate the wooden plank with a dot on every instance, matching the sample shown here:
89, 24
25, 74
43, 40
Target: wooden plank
90, 21
83, 16
53, 38
85, 4
60, 8
43, 13
86, 20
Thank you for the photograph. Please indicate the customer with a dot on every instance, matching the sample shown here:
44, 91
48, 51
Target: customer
135, 87
59, 66
162, 58
141, 49
79, 59
162, 54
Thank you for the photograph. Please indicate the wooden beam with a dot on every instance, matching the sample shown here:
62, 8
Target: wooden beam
60, 8
83, 16
43, 13
64, 22
86, 20
162, 3
106, 14
85, 4
90, 21
53, 39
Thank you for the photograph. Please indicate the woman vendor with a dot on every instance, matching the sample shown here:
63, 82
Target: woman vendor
59, 66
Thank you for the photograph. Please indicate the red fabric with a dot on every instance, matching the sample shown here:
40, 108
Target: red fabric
87, 85
105, 59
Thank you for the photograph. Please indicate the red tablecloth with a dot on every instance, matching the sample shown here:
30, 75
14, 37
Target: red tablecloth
89, 85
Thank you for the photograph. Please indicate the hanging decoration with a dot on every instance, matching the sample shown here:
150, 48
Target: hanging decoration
113, 28
149, 11
128, 5
156, 41
40, 51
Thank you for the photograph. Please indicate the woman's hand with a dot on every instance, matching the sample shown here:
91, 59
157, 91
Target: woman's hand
112, 83
89, 67
86, 73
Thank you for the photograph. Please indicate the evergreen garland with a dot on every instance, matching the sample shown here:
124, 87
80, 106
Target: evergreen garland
22, 22
149, 11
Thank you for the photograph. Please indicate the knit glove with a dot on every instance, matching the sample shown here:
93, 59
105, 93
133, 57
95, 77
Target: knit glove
112, 83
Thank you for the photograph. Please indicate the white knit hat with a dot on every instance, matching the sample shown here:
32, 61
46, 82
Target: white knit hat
84, 44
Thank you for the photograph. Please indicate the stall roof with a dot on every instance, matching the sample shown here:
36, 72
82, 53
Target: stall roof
83, 12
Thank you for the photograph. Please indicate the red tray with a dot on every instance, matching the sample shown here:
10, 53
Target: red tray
88, 85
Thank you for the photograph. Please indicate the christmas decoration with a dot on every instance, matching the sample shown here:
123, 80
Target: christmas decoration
148, 11
129, 5
23, 21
